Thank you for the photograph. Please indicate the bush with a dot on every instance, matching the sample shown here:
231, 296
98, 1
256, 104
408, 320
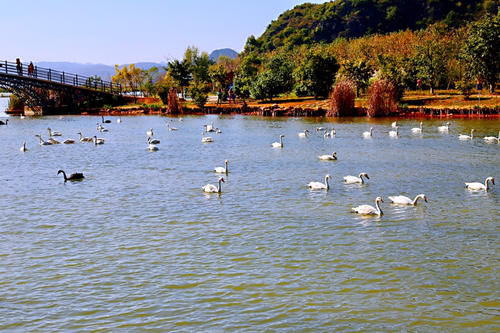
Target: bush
199, 92
15, 103
465, 86
174, 107
342, 99
383, 98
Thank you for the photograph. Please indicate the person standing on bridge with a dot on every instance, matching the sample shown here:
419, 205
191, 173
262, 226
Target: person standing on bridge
19, 67
31, 69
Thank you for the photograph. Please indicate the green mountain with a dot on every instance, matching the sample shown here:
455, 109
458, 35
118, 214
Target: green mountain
223, 52
313, 23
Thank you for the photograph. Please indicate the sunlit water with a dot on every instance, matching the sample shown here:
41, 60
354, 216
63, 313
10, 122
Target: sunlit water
137, 245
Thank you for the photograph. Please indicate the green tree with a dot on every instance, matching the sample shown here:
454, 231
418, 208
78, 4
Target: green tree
358, 72
246, 75
179, 72
199, 92
276, 79
481, 50
432, 56
218, 75
315, 74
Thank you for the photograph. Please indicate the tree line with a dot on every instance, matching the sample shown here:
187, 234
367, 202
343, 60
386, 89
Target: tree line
436, 57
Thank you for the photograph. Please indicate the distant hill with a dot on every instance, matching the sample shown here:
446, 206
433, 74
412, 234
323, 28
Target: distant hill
316, 23
223, 52
104, 71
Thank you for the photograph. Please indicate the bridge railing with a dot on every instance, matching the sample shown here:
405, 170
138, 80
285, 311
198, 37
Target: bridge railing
51, 75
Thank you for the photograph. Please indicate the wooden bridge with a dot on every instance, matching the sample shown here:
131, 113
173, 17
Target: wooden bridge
47, 91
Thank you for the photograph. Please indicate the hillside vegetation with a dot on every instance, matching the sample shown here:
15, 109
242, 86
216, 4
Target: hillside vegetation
323, 23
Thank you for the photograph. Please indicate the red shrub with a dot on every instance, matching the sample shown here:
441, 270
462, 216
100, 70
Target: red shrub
174, 107
342, 99
383, 99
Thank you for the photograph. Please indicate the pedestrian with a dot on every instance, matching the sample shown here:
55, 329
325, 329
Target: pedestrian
19, 67
219, 96
31, 69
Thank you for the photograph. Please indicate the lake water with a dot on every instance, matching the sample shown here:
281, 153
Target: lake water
137, 245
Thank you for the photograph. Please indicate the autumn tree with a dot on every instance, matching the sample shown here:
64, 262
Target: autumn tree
357, 72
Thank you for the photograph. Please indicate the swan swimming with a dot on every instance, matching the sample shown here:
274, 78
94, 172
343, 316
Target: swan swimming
479, 186
402, 200
171, 128
222, 169
368, 134
492, 138
444, 128
206, 139
332, 157
42, 142
84, 139
356, 180
98, 141
119, 120
152, 141
418, 130
73, 176
209, 188
320, 186
394, 124
150, 132
278, 144
23, 148
53, 133
303, 134
69, 141
395, 133
467, 137
369, 210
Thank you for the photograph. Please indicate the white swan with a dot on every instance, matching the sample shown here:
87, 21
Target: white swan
98, 141
206, 139
320, 128
444, 128
467, 137
209, 188
368, 134
402, 200
23, 148
119, 120
53, 133
418, 130
492, 138
278, 144
101, 128
320, 186
171, 128
479, 186
210, 128
303, 134
356, 180
330, 134
222, 169
394, 124
395, 133
152, 141
369, 210
332, 157
218, 131
84, 139
69, 141
150, 132
152, 147
42, 142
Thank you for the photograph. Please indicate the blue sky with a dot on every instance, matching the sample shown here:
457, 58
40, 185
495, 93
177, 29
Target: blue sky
126, 31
